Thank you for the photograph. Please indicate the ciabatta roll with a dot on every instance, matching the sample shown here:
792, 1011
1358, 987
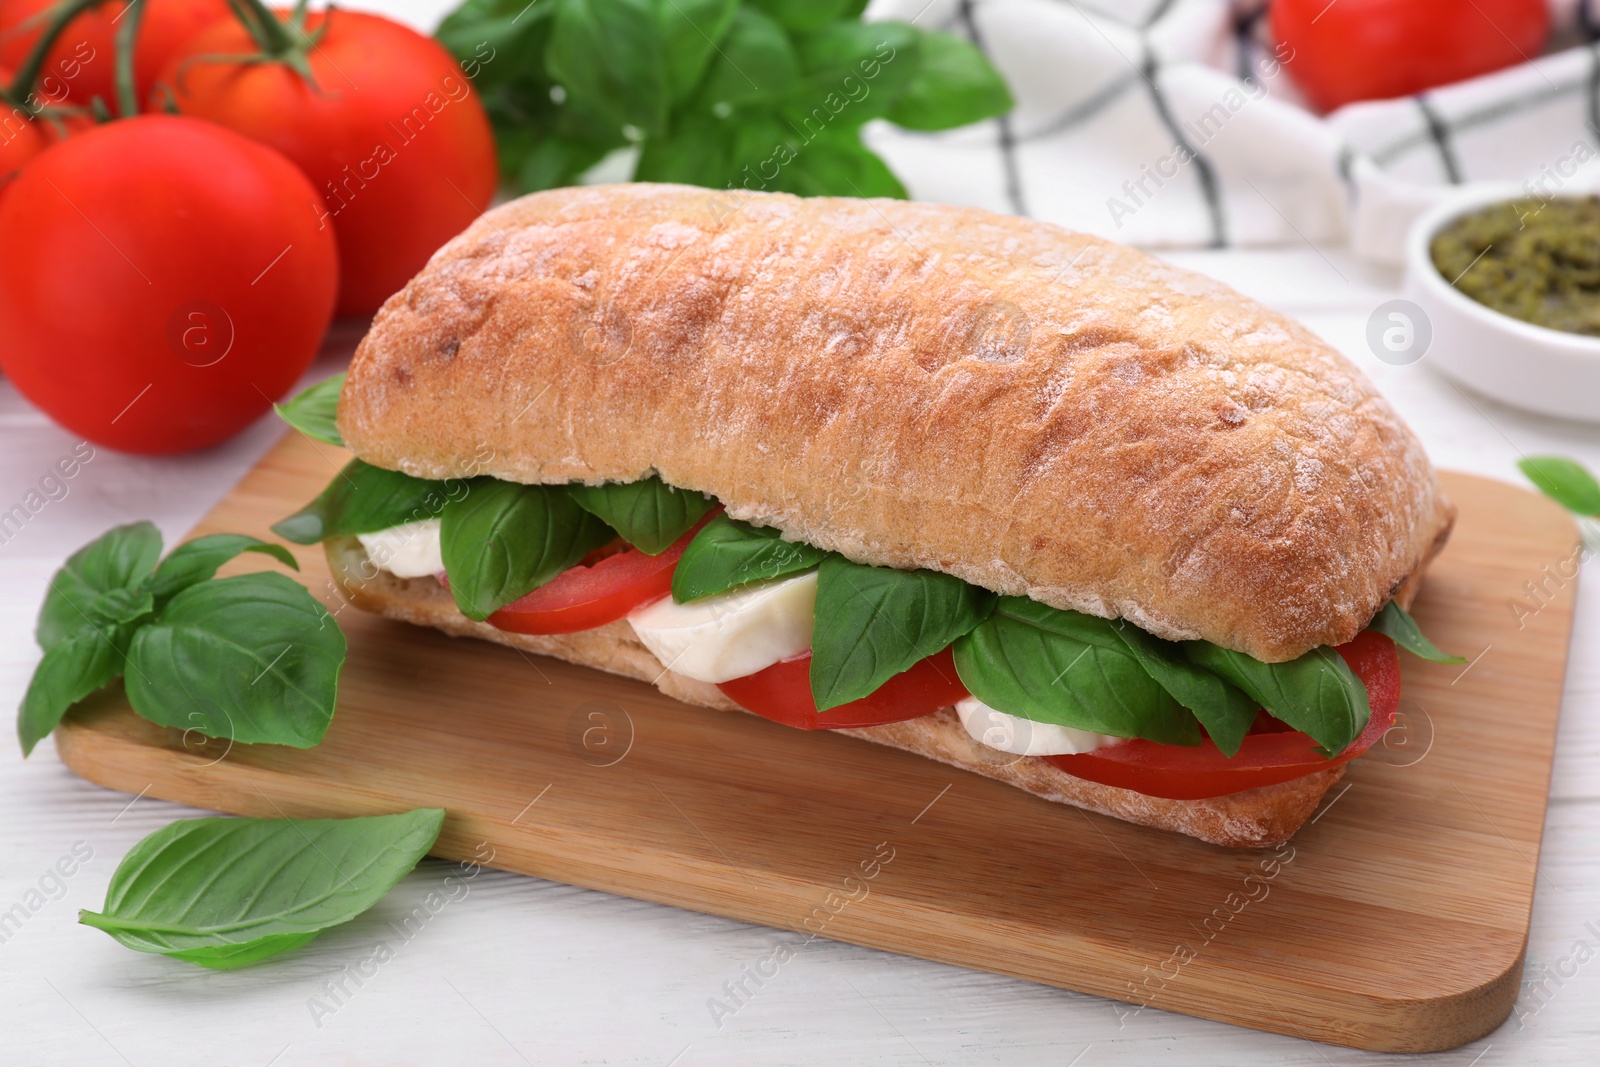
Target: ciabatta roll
1037, 412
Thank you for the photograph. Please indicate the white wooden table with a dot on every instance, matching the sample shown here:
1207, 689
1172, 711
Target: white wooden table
524, 971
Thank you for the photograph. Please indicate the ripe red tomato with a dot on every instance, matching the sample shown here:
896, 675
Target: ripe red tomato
1192, 772
782, 693
164, 281
1378, 49
21, 139
81, 64
392, 136
596, 591
60, 127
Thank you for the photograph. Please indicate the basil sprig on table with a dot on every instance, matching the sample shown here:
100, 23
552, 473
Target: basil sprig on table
312, 410
727, 553
225, 893
252, 658
503, 540
121, 558
874, 622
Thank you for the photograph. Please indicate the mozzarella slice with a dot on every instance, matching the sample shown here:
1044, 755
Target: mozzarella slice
410, 550
1025, 737
733, 634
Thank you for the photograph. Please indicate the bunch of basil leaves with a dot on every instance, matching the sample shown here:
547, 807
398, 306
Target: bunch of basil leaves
252, 658
760, 94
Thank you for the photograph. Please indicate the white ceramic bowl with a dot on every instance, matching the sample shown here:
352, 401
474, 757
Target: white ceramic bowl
1533, 367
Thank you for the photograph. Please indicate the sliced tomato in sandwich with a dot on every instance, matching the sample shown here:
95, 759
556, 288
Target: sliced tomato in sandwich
605, 587
1273, 755
782, 693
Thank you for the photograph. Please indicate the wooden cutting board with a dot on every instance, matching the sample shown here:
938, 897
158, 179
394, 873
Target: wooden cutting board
1395, 920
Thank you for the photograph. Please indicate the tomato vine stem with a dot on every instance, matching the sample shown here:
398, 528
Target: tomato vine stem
280, 40
28, 73
127, 41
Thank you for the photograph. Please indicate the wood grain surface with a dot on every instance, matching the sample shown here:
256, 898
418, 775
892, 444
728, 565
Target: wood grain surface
1397, 923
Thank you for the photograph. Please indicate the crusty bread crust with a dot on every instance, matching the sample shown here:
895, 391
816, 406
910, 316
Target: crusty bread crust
1036, 411
1256, 818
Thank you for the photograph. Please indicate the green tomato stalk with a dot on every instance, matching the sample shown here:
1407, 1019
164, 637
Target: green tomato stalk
63, 16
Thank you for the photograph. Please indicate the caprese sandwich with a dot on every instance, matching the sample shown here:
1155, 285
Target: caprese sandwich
1007, 496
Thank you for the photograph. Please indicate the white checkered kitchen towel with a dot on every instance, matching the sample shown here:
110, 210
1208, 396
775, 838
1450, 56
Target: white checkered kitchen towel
1169, 123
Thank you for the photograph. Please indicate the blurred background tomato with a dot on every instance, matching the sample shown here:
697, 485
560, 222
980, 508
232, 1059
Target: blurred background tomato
82, 63
380, 118
1377, 49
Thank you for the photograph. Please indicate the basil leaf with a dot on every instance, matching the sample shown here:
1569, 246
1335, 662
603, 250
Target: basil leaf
550, 160
120, 558
504, 540
874, 622
631, 60
195, 561
726, 554
1074, 670
805, 15
118, 607
702, 150
608, 55
312, 410
217, 958
362, 499
698, 151
1395, 623
250, 659
70, 671
851, 72
481, 33
648, 514
1565, 481
689, 32
954, 85
224, 893
1223, 709
501, 46
755, 63
838, 164
1316, 694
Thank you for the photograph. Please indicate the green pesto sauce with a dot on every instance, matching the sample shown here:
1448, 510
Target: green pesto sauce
1535, 260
